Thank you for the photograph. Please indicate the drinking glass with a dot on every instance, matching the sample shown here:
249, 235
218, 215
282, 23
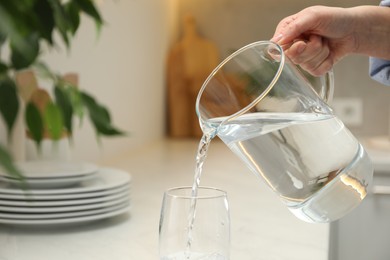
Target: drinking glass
194, 226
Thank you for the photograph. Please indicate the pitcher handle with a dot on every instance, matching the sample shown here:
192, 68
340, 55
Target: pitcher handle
327, 87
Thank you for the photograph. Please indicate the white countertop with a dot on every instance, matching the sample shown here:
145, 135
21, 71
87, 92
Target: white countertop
261, 227
378, 148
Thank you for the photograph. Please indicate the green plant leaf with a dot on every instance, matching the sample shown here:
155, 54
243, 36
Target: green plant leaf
3, 37
3, 68
44, 19
76, 101
9, 103
7, 163
89, 8
100, 117
53, 120
91, 103
24, 50
73, 11
43, 70
34, 123
63, 101
61, 20
11, 19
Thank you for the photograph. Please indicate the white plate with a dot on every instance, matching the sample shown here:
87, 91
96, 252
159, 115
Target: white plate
65, 220
57, 203
20, 209
17, 216
53, 169
47, 183
106, 178
54, 197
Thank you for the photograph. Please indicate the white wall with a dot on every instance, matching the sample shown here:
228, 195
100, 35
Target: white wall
124, 68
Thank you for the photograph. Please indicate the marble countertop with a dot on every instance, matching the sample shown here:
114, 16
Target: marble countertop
261, 226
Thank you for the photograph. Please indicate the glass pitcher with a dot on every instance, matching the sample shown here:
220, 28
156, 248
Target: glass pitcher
276, 119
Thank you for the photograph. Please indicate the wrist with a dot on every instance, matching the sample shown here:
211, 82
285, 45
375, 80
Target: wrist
372, 30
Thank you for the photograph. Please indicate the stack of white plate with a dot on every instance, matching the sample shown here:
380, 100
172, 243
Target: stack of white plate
61, 193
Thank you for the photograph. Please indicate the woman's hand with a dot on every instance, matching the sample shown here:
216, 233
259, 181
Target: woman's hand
318, 37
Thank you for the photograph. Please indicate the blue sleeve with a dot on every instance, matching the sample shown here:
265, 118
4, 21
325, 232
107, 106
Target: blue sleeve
380, 69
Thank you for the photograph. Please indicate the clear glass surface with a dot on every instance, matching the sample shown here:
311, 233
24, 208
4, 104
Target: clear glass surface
276, 119
194, 227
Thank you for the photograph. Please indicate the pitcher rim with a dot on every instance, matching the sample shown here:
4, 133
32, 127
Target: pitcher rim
171, 192
226, 60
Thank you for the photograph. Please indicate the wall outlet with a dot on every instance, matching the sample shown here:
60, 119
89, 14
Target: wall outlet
349, 110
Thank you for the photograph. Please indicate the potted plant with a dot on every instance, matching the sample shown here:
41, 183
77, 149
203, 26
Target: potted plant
25, 27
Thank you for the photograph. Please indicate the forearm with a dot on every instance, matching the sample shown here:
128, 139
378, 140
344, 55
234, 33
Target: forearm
372, 31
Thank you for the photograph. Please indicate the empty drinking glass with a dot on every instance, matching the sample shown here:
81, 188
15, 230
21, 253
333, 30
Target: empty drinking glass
194, 226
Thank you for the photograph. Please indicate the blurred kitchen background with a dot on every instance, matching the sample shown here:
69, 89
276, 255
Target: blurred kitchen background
362, 103
125, 66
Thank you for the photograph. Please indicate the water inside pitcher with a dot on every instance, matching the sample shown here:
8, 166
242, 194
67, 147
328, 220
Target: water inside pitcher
277, 121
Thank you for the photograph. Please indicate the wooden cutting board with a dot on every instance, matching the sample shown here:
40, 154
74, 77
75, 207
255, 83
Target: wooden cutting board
190, 61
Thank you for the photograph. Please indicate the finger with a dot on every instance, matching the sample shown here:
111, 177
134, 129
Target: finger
312, 55
280, 28
321, 57
312, 51
292, 27
320, 64
295, 50
322, 69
